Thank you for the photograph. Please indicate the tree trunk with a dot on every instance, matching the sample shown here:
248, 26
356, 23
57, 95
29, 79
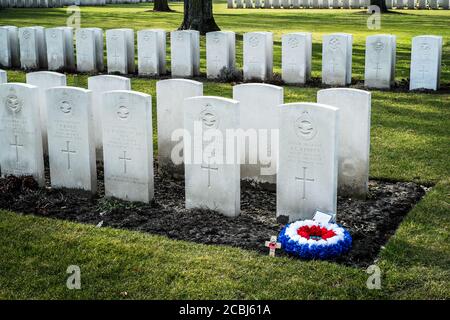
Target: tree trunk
380, 3
161, 5
198, 15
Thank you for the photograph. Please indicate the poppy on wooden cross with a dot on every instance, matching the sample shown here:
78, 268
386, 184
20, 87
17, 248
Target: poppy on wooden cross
273, 245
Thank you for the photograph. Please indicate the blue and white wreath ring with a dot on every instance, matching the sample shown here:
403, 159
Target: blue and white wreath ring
309, 239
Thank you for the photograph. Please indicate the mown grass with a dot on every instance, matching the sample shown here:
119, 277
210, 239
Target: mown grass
405, 24
410, 141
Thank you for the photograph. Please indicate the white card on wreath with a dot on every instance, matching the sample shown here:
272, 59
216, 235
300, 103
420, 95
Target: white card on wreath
322, 217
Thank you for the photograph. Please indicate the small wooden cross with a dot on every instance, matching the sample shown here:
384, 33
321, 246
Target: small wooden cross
273, 245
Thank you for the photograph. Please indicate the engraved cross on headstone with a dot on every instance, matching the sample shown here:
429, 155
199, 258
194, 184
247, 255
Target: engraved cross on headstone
16, 145
68, 152
333, 64
377, 68
115, 56
125, 159
209, 168
423, 70
304, 179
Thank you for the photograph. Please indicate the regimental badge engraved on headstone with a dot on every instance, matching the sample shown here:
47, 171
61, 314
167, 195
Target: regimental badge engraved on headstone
26, 34
123, 112
254, 41
378, 45
209, 118
305, 127
13, 103
65, 107
293, 42
334, 43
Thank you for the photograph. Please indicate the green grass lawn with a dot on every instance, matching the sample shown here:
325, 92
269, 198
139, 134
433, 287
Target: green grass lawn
410, 141
405, 24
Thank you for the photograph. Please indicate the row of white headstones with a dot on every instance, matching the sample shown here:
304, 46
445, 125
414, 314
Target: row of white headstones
61, 3
53, 49
313, 149
335, 4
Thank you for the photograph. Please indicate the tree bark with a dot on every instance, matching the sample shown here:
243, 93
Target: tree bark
198, 15
161, 5
381, 4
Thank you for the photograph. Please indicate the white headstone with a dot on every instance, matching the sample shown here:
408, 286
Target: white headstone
120, 50
307, 171
185, 53
60, 48
212, 182
20, 132
259, 118
128, 145
89, 43
5, 50
170, 95
3, 77
337, 59
380, 61
9, 46
29, 53
42, 47
44, 80
296, 57
99, 85
220, 52
258, 55
71, 139
151, 52
426, 55
354, 137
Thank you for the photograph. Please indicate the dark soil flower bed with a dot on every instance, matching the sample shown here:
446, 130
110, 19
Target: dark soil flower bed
370, 222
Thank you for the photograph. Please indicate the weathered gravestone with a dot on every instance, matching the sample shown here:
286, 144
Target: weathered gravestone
44, 80
170, 95
71, 139
220, 53
426, 55
337, 59
89, 44
3, 77
258, 55
14, 48
308, 158
380, 61
29, 52
212, 176
9, 47
185, 53
20, 132
259, 120
151, 52
120, 50
99, 85
354, 137
60, 54
296, 57
128, 145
